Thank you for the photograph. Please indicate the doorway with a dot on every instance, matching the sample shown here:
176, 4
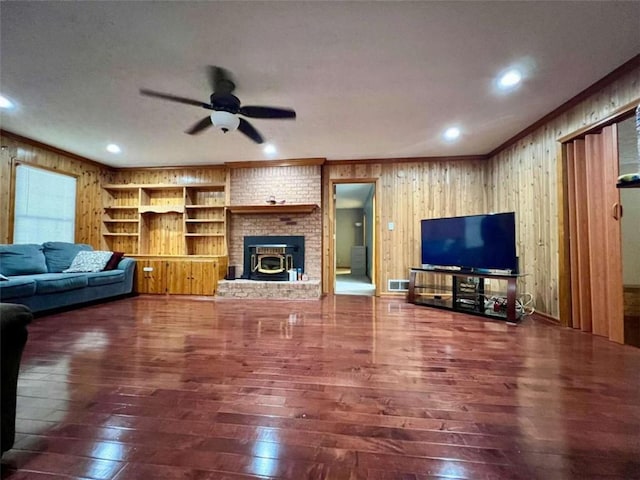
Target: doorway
602, 288
354, 238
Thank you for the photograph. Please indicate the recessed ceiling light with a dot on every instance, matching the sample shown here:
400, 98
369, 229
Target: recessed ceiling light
269, 149
510, 78
452, 133
5, 102
113, 148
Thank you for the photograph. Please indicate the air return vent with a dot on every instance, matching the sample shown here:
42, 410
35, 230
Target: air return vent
398, 285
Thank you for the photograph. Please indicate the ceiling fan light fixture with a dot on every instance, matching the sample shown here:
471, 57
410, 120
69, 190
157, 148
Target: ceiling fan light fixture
225, 121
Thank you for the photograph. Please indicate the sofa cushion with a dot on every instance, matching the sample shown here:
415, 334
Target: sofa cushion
59, 282
60, 255
89, 261
105, 278
22, 259
17, 287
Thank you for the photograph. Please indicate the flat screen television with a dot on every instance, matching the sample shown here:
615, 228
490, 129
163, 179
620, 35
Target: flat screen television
474, 242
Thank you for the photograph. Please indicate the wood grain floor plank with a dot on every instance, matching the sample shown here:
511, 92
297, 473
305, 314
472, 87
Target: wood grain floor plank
342, 388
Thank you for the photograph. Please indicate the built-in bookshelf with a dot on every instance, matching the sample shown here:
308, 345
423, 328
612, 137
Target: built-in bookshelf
165, 219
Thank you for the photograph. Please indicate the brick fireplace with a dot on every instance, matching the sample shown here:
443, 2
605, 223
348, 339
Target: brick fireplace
293, 184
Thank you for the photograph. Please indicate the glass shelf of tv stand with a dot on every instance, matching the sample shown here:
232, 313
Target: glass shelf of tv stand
478, 293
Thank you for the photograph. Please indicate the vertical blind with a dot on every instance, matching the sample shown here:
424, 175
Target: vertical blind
45, 206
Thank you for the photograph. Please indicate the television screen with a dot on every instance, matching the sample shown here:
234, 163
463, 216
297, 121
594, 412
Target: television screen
471, 242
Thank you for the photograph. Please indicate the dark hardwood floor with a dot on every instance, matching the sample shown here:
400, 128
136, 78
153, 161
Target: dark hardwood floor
347, 387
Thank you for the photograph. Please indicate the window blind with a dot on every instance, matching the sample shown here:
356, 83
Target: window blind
45, 206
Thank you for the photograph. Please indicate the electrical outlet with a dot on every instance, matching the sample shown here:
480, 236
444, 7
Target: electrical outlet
391, 226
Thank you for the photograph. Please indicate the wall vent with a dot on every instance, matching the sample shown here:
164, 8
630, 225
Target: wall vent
398, 285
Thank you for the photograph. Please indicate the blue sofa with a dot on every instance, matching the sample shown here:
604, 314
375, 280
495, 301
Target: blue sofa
35, 276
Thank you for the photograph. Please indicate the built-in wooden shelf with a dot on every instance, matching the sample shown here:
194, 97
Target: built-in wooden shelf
109, 234
161, 209
121, 207
204, 234
206, 220
277, 209
121, 220
203, 206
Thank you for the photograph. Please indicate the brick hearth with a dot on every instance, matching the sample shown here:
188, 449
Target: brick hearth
303, 290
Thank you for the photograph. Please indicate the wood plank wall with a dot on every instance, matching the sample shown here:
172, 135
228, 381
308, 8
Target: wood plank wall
89, 199
524, 178
185, 175
408, 191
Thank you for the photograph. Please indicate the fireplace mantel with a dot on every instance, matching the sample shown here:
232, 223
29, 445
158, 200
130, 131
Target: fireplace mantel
274, 209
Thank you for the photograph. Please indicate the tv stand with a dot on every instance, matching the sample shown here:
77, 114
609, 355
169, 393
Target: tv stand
465, 291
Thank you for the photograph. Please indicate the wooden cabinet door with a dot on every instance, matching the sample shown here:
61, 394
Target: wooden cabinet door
203, 278
151, 276
179, 277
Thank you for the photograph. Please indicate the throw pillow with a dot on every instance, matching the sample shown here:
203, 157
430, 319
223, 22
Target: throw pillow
112, 264
89, 261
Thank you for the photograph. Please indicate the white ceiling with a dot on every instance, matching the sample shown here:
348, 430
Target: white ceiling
367, 79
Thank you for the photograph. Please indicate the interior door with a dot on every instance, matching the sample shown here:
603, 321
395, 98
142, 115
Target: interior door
594, 234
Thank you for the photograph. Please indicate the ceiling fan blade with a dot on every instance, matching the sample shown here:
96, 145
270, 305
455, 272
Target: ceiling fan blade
221, 80
200, 126
266, 112
248, 129
173, 98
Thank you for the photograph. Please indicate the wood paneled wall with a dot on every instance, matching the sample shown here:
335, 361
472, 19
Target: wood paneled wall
524, 177
186, 175
407, 192
89, 199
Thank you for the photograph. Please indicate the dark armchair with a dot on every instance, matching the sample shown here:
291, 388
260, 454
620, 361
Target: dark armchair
13, 337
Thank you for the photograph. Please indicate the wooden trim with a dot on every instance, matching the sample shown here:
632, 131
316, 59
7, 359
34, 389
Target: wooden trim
17, 162
619, 114
273, 209
161, 186
331, 220
52, 149
564, 236
619, 72
170, 167
175, 257
389, 161
546, 318
295, 162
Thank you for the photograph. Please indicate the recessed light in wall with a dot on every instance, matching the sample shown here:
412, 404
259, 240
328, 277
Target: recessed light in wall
451, 133
269, 149
509, 79
5, 102
113, 148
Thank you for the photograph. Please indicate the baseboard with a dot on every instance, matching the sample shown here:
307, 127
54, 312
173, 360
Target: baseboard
544, 317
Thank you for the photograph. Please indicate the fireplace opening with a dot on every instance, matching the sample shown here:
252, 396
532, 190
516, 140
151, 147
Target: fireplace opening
271, 258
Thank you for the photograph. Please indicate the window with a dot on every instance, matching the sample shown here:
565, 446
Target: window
45, 206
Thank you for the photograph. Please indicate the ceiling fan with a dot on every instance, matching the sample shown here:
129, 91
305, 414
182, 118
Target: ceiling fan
226, 107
